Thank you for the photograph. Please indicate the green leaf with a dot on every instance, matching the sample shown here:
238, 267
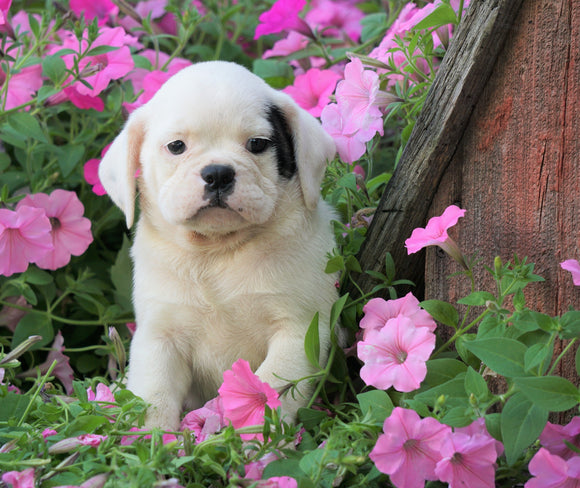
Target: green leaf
336, 309
12, 405
33, 324
570, 323
96, 51
376, 404
336, 263
521, 423
37, 276
69, 156
477, 298
122, 276
442, 15
53, 68
284, 467
311, 418
549, 392
577, 361
278, 74
28, 126
85, 424
504, 356
312, 343
538, 354
454, 388
475, 384
457, 417
442, 312
441, 370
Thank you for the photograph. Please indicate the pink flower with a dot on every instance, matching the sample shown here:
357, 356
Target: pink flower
10, 316
378, 311
312, 90
292, 43
127, 440
335, 18
4, 7
551, 471
573, 266
206, 420
103, 394
91, 173
396, 354
245, 397
22, 86
408, 451
435, 234
48, 433
24, 238
101, 9
478, 427
71, 232
554, 438
360, 98
278, 482
22, 479
283, 16
70, 443
62, 370
255, 469
467, 461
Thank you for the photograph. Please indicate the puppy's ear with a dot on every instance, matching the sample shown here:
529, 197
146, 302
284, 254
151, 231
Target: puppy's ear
313, 148
119, 165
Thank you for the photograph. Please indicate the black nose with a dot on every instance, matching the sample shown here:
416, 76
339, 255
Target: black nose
219, 178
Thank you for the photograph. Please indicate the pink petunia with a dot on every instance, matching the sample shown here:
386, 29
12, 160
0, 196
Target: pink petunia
573, 266
70, 443
378, 311
467, 461
551, 471
396, 355
48, 433
206, 420
245, 397
22, 86
100, 9
283, 16
71, 232
408, 450
336, 19
22, 479
91, 173
554, 438
313, 89
24, 238
255, 469
477, 427
103, 394
4, 7
292, 43
10, 316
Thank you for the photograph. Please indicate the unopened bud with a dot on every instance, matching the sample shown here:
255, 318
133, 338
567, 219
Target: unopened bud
20, 349
497, 265
120, 353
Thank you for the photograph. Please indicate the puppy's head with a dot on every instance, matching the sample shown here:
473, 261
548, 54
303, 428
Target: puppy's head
216, 147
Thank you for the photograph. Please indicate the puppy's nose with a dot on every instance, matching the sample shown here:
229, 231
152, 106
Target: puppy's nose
218, 177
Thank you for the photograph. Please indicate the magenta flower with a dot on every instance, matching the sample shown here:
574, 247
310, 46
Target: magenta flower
292, 43
435, 234
467, 461
573, 266
477, 427
408, 450
336, 19
312, 90
71, 232
48, 433
554, 438
103, 394
206, 420
283, 16
551, 471
91, 173
24, 238
396, 354
22, 86
101, 9
245, 397
378, 311
4, 7
22, 479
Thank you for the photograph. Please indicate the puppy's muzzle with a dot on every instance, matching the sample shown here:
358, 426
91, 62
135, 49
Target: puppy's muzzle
220, 180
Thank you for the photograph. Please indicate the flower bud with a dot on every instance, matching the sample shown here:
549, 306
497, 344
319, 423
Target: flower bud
120, 353
497, 265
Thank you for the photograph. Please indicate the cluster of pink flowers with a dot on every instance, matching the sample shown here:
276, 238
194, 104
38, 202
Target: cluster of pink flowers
43, 229
412, 450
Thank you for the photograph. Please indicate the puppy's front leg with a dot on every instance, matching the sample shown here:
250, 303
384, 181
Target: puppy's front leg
159, 374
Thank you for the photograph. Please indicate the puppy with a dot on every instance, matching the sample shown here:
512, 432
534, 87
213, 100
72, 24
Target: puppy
232, 239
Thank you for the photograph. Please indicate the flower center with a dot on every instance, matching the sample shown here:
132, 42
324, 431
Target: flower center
401, 356
410, 444
457, 458
55, 223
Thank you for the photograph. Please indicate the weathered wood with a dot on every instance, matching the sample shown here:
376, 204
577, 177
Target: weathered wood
461, 77
517, 168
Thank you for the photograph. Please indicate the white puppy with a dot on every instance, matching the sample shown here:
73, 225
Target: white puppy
232, 239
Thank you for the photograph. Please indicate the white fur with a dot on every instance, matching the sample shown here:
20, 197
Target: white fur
215, 285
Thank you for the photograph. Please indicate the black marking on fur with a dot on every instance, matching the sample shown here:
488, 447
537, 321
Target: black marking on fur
283, 142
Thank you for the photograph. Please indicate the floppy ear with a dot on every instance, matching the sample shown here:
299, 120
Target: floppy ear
313, 148
119, 165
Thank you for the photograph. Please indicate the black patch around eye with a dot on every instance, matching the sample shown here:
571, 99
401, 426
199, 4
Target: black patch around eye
176, 147
283, 142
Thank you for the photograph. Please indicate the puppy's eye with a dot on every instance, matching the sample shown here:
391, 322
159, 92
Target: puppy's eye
257, 145
176, 147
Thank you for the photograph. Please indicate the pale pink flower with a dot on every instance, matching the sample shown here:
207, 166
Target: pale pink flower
24, 238
336, 19
312, 90
283, 16
408, 450
467, 461
62, 371
4, 7
71, 232
103, 394
396, 354
551, 471
91, 173
70, 443
10, 316
48, 433
477, 427
554, 438
435, 234
255, 469
22, 479
378, 311
101, 9
206, 420
573, 266
22, 86
292, 43
245, 397
360, 98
